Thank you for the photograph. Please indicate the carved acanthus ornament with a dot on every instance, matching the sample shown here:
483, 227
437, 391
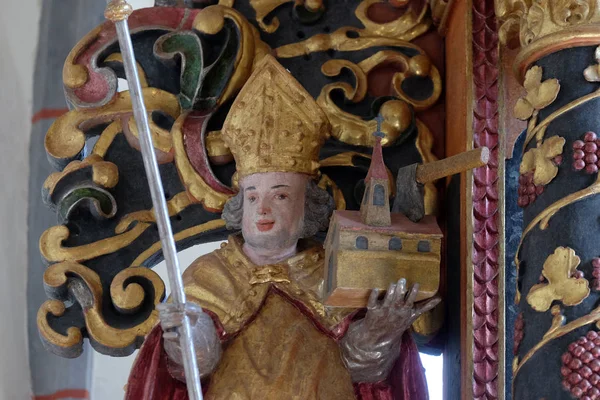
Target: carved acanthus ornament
539, 26
530, 20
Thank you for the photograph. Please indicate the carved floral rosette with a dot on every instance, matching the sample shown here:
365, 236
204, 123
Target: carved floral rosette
355, 61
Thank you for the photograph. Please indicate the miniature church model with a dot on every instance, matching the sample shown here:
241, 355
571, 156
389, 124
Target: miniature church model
373, 247
375, 206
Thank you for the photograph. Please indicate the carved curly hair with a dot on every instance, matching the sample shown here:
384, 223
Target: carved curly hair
318, 206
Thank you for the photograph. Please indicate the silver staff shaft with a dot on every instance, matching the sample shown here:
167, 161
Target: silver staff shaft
118, 12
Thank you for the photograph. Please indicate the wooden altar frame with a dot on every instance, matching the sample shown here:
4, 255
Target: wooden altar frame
473, 82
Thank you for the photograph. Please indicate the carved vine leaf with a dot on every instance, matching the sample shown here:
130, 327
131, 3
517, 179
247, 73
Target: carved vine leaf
558, 270
539, 94
592, 73
540, 160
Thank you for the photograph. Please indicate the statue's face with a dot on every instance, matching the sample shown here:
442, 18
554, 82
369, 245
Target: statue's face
273, 209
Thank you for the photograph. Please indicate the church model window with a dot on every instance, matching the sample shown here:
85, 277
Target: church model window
424, 246
395, 244
379, 195
362, 243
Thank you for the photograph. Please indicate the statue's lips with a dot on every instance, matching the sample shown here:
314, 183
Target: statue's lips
265, 225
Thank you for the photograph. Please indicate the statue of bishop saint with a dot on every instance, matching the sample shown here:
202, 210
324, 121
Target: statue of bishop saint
261, 331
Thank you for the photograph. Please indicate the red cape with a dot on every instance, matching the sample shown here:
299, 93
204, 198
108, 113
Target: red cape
151, 380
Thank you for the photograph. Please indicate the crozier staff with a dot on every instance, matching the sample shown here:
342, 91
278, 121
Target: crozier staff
260, 330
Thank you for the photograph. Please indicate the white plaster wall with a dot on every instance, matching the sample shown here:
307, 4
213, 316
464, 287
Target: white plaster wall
19, 33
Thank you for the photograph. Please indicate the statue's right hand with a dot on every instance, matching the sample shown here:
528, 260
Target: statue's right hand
204, 336
171, 317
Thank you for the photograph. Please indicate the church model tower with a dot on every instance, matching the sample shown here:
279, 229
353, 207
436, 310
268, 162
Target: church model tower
373, 247
375, 206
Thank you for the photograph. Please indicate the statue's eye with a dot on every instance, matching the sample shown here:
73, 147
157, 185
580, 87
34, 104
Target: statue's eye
251, 199
281, 196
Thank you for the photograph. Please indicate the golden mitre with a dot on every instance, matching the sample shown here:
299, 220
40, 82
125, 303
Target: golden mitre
274, 124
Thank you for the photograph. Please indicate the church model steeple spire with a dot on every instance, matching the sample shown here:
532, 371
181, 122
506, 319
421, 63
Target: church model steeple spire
375, 206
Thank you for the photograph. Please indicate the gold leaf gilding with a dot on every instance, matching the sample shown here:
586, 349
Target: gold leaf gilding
539, 160
128, 296
539, 94
52, 249
556, 332
118, 10
73, 338
201, 191
397, 114
66, 138
104, 173
543, 218
102, 335
558, 270
161, 138
340, 40
274, 101
263, 8
211, 20
181, 235
178, 203
409, 26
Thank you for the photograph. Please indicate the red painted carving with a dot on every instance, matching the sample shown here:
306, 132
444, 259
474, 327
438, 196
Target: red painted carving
196, 151
596, 274
486, 245
528, 191
96, 89
581, 367
519, 332
586, 153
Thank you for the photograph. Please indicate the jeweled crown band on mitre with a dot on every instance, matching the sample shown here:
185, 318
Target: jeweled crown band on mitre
274, 124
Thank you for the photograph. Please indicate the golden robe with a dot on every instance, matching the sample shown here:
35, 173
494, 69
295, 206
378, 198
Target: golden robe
279, 342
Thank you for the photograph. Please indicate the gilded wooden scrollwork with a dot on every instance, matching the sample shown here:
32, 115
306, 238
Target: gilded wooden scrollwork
65, 140
71, 280
397, 114
192, 63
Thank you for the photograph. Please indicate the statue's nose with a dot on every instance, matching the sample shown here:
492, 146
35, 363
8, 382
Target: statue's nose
263, 208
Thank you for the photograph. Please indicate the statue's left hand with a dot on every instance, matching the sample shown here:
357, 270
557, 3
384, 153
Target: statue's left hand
372, 344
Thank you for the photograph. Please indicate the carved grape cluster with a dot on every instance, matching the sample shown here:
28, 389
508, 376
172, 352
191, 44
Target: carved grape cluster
596, 274
518, 337
581, 367
528, 191
586, 153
